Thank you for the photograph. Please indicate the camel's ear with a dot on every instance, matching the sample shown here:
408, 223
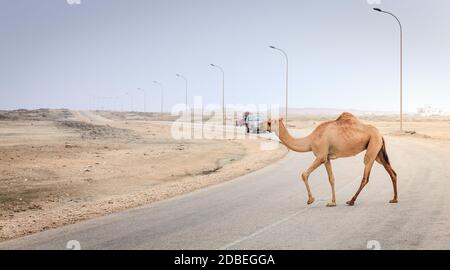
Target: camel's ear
281, 119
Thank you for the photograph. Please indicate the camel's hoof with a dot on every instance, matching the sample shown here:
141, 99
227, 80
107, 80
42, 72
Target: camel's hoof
350, 203
393, 201
311, 200
332, 204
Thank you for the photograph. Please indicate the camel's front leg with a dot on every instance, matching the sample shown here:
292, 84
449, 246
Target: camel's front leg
306, 175
331, 180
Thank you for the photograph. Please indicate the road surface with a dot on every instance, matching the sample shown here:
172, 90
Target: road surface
267, 210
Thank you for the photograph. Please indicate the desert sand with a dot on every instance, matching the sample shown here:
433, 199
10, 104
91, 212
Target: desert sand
59, 167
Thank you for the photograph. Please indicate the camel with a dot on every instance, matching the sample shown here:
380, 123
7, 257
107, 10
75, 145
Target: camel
346, 136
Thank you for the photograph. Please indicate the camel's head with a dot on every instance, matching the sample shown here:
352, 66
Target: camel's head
273, 125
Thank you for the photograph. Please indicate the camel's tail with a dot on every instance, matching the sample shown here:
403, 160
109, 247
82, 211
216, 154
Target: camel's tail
383, 154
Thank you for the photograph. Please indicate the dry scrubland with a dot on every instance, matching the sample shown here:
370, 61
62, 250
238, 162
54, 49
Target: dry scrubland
58, 167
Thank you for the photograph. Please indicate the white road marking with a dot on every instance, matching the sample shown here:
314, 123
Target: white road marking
272, 225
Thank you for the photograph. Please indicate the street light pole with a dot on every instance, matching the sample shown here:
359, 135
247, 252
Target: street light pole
186, 89
162, 96
131, 98
116, 103
287, 79
122, 107
223, 92
145, 98
94, 103
401, 63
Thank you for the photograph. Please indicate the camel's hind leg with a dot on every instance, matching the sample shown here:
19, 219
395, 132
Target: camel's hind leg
307, 173
372, 152
383, 159
364, 182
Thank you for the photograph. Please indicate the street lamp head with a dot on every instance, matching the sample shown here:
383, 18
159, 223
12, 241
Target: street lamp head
272, 47
155, 82
377, 9
178, 75
212, 65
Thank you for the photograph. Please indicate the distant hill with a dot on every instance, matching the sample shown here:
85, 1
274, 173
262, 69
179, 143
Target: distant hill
333, 111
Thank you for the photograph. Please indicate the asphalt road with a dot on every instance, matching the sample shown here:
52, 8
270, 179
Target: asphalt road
267, 210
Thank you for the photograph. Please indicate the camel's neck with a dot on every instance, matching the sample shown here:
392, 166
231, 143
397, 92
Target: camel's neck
295, 144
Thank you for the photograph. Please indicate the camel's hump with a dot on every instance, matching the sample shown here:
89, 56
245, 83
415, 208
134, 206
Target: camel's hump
346, 115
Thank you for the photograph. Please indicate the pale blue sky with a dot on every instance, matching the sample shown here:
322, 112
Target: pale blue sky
342, 54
